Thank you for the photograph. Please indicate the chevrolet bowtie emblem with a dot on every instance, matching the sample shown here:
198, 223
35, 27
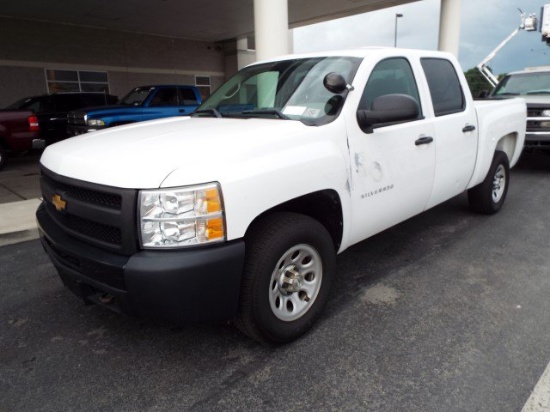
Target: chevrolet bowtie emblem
59, 203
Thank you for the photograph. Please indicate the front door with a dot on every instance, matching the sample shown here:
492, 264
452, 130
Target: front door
392, 168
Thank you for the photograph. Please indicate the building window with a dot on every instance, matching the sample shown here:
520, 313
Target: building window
76, 81
203, 84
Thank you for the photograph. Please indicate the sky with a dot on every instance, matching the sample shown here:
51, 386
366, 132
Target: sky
484, 25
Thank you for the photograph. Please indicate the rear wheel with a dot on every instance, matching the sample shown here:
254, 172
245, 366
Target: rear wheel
289, 270
488, 197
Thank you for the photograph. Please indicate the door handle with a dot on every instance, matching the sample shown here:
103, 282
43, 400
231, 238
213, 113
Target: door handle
468, 128
424, 140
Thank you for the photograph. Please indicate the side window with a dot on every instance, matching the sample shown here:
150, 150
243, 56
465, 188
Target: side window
186, 97
203, 84
445, 89
391, 76
165, 97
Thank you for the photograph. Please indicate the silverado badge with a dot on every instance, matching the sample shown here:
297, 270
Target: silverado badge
59, 203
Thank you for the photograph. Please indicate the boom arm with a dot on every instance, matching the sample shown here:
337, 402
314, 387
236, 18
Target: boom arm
527, 24
482, 67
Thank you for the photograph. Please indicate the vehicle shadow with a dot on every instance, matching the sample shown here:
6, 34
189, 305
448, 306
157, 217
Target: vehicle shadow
534, 162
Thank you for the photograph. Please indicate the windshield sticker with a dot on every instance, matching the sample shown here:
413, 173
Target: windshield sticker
294, 110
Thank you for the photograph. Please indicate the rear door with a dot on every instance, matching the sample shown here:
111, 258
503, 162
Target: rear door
392, 168
455, 128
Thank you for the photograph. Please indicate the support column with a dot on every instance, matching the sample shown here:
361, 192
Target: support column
449, 26
271, 28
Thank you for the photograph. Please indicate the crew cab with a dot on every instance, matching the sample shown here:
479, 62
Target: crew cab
239, 210
141, 103
533, 85
19, 129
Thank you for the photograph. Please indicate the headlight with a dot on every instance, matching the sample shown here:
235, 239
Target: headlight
181, 216
546, 113
95, 122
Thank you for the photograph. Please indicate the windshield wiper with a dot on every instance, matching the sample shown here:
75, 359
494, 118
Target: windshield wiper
208, 111
275, 112
539, 92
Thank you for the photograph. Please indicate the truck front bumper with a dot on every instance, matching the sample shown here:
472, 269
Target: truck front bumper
177, 285
537, 140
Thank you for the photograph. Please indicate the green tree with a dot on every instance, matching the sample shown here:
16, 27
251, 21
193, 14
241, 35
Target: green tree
477, 82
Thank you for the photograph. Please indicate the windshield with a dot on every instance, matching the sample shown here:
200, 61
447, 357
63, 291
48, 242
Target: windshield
524, 83
136, 96
289, 89
20, 104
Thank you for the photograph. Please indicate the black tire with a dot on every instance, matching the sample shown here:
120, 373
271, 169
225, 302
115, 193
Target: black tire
489, 196
289, 270
3, 156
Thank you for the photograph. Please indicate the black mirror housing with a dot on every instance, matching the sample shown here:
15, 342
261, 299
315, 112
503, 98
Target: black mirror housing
335, 83
388, 109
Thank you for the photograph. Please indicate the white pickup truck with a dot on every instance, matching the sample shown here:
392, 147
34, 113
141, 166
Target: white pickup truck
238, 211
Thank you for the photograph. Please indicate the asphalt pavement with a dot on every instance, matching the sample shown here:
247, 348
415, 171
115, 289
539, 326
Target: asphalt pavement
445, 312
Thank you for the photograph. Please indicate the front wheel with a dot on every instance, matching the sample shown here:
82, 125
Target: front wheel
289, 270
488, 197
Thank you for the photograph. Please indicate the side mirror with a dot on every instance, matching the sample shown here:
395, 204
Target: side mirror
390, 108
335, 83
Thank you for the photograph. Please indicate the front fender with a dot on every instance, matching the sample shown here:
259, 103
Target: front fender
255, 180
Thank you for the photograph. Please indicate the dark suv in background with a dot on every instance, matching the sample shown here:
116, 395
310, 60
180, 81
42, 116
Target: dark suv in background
52, 109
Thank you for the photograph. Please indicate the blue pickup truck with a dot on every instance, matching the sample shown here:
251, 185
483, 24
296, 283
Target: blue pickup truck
142, 103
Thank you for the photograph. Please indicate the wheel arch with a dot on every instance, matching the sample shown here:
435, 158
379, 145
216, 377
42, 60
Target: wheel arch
508, 145
324, 206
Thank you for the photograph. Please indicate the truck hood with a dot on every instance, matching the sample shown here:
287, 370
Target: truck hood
143, 155
536, 98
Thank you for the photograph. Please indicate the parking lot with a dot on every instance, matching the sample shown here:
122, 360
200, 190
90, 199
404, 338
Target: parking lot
445, 312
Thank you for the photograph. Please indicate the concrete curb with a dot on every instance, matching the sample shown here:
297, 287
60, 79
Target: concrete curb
18, 222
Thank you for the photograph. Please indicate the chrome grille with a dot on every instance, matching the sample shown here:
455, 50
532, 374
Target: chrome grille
76, 118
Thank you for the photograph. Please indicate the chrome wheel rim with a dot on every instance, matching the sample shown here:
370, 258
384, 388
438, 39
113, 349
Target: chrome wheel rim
295, 282
499, 183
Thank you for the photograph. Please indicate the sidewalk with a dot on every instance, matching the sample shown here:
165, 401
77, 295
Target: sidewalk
19, 199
